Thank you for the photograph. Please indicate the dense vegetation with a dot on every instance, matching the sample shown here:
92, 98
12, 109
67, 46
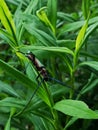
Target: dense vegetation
63, 36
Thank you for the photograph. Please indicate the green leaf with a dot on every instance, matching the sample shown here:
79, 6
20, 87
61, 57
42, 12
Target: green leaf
85, 7
92, 82
41, 123
17, 74
92, 64
51, 49
6, 18
8, 124
70, 122
25, 80
76, 109
65, 16
31, 7
43, 17
70, 27
74, 26
12, 102
40, 34
90, 30
66, 43
81, 35
7, 38
8, 89
52, 12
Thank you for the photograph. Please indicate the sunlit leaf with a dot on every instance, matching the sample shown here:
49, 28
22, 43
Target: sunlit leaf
6, 18
8, 124
81, 35
75, 108
43, 17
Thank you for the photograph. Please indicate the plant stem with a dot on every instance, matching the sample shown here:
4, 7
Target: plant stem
53, 111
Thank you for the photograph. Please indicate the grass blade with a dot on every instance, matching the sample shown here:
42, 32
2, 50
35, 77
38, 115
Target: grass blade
52, 12
6, 19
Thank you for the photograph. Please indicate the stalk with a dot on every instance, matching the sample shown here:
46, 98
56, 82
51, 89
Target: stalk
53, 111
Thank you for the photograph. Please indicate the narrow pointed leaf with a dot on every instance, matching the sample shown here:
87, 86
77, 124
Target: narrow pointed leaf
16, 74
85, 7
25, 80
7, 38
8, 89
6, 18
52, 12
91, 65
43, 17
8, 124
51, 49
81, 35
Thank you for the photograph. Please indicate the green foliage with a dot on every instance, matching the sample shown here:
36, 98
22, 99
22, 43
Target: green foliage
86, 7
66, 43
73, 108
